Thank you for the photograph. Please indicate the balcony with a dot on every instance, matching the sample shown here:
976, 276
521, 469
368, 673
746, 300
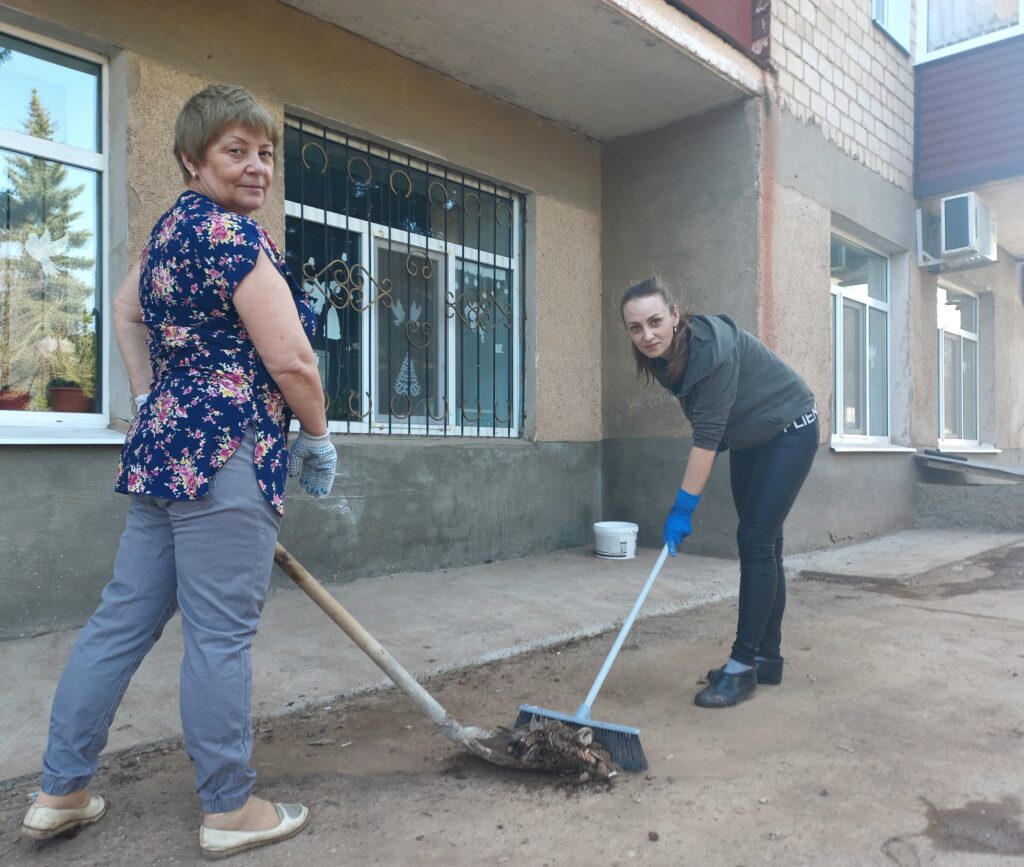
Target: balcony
603, 68
970, 131
743, 23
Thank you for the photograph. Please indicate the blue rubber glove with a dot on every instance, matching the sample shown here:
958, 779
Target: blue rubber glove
313, 460
678, 524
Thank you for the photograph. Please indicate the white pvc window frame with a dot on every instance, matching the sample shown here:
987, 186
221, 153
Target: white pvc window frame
962, 335
98, 161
860, 296
894, 18
923, 55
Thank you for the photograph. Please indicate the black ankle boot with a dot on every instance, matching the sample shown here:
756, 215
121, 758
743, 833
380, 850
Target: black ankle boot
768, 671
727, 690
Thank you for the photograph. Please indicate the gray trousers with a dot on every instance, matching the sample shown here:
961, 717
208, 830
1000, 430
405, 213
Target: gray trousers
211, 559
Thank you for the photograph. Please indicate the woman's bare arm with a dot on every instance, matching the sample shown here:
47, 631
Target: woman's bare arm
131, 333
698, 469
264, 302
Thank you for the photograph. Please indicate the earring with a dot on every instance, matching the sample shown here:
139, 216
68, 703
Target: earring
675, 328
195, 174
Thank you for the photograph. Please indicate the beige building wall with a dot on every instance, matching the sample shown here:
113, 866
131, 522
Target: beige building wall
294, 62
1004, 385
802, 320
838, 70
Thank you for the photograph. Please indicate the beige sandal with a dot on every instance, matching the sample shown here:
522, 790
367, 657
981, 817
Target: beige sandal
42, 823
215, 844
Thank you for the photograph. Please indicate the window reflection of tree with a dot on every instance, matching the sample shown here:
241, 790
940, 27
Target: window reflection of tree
47, 326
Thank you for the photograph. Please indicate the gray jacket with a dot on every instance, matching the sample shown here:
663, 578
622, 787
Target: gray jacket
734, 389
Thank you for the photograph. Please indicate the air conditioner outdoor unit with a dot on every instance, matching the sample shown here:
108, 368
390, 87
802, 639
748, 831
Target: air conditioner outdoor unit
968, 231
960, 236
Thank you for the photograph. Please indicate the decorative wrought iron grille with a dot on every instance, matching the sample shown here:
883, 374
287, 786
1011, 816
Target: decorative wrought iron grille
415, 270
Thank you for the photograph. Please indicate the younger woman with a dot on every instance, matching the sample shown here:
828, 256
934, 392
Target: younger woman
737, 395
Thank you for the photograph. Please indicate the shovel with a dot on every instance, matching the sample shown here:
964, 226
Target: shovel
491, 746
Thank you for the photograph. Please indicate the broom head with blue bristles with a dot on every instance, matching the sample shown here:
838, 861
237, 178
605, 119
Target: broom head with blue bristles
622, 742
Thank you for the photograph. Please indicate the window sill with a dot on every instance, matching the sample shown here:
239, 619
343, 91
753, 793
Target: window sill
11, 435
980, 449
870, 447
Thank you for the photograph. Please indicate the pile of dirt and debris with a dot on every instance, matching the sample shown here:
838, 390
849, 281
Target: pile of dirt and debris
553, 746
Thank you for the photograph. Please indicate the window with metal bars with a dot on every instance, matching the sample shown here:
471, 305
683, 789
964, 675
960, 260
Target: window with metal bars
415, 273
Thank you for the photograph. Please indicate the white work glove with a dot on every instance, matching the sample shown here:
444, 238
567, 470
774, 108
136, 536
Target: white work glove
137, 403
313, 460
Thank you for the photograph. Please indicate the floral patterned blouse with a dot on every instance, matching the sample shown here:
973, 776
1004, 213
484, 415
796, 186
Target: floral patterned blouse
209, 383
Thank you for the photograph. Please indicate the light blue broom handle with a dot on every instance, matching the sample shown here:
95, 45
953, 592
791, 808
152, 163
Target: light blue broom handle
584, 709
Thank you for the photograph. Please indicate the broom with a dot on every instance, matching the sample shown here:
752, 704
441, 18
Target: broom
623, 742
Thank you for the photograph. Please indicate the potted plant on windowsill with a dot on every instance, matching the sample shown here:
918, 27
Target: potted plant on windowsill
69, 370
67, 395
13, 398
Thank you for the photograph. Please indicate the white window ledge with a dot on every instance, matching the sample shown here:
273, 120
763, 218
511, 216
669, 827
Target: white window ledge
837, 446
11, 435
980, 449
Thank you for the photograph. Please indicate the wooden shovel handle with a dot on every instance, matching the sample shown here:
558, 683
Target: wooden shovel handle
471, 739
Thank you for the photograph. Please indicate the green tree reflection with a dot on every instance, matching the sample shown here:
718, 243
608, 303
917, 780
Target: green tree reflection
47, 325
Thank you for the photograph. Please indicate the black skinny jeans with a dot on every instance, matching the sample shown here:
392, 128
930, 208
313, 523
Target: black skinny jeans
765, 482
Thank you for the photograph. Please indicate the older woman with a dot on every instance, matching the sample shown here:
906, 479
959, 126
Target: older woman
215, 333
738, 395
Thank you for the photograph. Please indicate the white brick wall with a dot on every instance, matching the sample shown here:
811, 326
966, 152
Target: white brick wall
840, 71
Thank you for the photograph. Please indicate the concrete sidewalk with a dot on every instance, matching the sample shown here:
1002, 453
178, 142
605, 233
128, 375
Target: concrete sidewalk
431, 622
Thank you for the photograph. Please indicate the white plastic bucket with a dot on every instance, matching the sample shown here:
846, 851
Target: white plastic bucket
615, 540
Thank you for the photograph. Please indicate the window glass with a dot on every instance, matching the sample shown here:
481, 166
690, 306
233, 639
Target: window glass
50, 238
951, 22
425, 339
878, 277
854, 268
49, 95
894, 17
350, 179
951, 386
878, 372
853, 368
410, 362
958, 311
483, 306
49, 268
860, 284
958, 384
327, 261
970, 389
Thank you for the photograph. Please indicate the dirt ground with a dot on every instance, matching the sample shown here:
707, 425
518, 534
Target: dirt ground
896, 738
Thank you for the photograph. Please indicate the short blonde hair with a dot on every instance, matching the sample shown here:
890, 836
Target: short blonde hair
208, 113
